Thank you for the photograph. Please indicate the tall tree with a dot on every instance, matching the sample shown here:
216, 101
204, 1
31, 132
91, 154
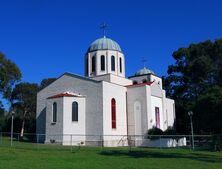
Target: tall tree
9, 75
46, 82
24, 102
196, 71
2, 115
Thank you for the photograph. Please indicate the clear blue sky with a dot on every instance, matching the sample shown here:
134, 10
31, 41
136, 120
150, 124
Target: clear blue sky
46, 38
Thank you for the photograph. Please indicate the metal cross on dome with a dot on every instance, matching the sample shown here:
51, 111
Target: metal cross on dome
144, 61
104, 27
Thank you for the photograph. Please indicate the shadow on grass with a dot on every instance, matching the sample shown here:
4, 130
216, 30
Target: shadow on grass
156, 154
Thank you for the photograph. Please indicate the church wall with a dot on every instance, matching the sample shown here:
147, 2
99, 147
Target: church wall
76, 128
113, 79
107, 54
170, 110
117, 69
140, 79
137, 124
156, 80
149, 107
54, 129
164, 110
119, 94
98, 62
157, 102
120, 80
93, 92
105, 77
156, 90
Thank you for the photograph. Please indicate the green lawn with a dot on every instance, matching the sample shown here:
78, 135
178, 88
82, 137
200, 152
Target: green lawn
32, 156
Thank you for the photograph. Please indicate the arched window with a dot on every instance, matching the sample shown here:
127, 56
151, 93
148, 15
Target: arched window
102, 62
113, 110
120, 65
113, 63
87, 67
144, 80
74, 111
157, 114
93, 63
135, 82
54, 112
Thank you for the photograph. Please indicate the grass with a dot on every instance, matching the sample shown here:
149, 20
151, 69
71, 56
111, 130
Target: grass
33, 156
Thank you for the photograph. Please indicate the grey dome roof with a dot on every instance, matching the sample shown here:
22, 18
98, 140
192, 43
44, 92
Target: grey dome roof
144, 71
104, 43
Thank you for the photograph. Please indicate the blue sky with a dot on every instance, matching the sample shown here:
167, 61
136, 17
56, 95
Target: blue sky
46, 38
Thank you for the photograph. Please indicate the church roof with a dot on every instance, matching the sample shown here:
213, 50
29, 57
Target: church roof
104, 44
64, 94
144, 71
140, 84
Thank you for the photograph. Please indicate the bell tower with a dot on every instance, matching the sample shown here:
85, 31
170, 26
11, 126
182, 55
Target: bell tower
104, 56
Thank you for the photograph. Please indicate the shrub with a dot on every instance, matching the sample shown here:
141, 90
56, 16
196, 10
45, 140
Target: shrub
155, 131
170, 131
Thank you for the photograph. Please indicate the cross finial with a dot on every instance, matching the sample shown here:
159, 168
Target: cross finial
104, 27
144, 60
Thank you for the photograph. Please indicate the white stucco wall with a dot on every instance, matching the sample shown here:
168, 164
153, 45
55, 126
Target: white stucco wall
140, 79
113, 79
119, 94
137, 123
156, 80
170, 112
107, 54
157, 102
54, 130
76, 84
75, 128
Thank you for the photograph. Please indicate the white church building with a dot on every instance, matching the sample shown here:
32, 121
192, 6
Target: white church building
102, 107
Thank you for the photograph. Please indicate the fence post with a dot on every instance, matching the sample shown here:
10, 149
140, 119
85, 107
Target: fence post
129, 142
18, 137
101, 140
71, 143
190, 142
160, 142
37, 141
1, 138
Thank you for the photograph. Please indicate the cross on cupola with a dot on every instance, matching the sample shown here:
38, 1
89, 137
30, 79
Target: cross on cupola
104, 27
144, 61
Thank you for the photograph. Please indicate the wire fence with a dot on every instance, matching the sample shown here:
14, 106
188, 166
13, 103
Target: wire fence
71, 141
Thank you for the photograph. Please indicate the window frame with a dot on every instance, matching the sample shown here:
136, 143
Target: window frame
93, 64
75, 112
135, 82
54, 112
120, 65
113, 113
113, 64
102, 63
157, 117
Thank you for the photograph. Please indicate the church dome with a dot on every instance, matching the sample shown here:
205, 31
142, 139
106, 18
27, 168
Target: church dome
104, 43
144, 71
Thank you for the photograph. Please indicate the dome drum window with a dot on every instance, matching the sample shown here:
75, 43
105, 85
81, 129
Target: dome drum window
113, 63
93, 63
102, 62
120, 65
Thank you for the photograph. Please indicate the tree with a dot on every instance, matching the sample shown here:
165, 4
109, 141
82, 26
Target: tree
46, 82
24, 102
9, 75
209, 111
2, 115
196, 71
